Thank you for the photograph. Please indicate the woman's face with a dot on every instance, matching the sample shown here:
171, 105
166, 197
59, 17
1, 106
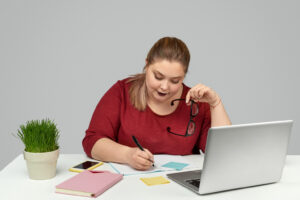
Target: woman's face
164, 80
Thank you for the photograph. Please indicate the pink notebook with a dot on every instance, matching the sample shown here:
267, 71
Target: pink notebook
89, 183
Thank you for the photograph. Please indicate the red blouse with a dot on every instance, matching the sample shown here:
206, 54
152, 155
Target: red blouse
116, 118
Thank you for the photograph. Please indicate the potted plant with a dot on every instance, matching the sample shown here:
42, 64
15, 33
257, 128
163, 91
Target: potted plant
41, 148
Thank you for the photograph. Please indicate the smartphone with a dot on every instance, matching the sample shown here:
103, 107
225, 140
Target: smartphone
87, 165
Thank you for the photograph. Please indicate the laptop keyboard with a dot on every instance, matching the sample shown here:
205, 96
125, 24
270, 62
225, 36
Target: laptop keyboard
195, 182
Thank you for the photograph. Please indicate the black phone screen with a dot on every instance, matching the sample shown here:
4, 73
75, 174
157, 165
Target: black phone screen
85, 165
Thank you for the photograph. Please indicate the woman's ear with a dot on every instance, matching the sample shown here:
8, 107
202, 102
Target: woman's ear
146, 66
145, 69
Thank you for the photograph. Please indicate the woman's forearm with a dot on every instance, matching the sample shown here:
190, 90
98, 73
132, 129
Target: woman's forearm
108, 150
219, 115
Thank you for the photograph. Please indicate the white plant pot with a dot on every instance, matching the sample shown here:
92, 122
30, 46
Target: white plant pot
41, 166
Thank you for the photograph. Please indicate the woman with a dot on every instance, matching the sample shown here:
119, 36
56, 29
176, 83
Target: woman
156, 107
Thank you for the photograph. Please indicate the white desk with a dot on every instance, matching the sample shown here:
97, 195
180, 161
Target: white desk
15, 184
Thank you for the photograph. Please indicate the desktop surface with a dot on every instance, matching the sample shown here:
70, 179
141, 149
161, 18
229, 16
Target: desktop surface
15, 184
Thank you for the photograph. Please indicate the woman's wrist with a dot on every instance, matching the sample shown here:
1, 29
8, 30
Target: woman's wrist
214, 104
127, 155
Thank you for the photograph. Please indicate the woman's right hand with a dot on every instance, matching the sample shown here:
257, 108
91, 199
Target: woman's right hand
138, 159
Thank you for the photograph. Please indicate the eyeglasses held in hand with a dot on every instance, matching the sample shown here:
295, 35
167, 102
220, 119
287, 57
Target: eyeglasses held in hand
191, 125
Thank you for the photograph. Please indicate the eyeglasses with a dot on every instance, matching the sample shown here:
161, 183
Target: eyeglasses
191, 125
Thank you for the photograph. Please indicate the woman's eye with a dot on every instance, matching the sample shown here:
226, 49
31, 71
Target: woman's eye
175, 81
158, 77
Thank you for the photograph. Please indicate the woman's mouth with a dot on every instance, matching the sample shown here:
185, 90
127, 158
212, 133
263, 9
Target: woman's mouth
162, 94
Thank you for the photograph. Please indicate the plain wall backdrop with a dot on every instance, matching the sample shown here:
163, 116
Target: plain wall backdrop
58, 58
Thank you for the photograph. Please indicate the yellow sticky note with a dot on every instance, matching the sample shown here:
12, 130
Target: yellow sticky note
155, 180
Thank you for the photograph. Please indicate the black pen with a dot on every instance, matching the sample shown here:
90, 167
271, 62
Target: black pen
140, 147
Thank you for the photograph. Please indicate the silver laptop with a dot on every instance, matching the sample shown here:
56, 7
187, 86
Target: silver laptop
240, 156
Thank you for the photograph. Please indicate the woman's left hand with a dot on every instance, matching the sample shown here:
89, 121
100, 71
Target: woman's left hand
202, 93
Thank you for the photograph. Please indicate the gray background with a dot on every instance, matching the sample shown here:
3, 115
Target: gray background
58, 57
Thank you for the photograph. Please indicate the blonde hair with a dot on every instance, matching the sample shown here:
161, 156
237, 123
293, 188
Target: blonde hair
167, 48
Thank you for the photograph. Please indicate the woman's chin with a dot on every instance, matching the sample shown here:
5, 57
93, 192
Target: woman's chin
161, 98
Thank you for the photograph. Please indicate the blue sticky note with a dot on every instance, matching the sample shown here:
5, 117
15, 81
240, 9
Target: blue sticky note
175, 165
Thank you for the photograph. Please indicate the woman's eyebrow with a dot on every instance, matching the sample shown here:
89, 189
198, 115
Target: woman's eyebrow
155, 71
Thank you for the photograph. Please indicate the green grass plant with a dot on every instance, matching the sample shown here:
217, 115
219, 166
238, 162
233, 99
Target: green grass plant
39, 136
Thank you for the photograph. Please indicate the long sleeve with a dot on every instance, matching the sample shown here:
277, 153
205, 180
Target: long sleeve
105, 121
117, 119
206, 124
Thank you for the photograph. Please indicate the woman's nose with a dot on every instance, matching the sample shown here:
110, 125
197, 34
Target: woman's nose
164, 85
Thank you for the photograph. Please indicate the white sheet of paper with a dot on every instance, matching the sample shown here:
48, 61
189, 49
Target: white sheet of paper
160, 160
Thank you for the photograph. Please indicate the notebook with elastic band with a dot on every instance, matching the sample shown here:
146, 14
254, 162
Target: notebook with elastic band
89, 183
